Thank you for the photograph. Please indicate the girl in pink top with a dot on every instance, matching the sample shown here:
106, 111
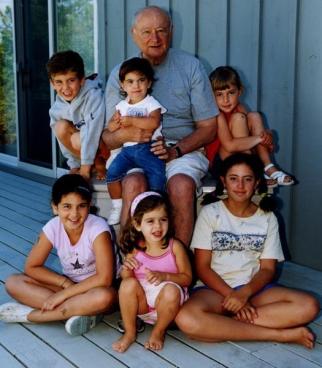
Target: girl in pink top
156, 271
84, 247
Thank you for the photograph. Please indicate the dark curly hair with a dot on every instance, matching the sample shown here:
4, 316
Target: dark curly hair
131, 238
137, 65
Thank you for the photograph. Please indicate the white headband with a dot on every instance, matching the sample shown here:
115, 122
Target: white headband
139, 198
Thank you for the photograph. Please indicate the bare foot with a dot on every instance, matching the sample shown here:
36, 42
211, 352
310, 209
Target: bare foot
100, 173
123, 343
75, 170
300, 335
155, 341
100, 168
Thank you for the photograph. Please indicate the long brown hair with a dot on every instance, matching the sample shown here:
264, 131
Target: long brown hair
130, 237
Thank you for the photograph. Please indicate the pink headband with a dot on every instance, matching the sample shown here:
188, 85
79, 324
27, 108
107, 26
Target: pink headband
139, 198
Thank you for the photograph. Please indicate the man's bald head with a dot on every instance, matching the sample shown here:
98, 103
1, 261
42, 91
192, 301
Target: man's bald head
149, 10
152, 33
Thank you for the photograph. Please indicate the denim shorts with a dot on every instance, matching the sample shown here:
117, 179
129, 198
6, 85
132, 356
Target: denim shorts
138, 156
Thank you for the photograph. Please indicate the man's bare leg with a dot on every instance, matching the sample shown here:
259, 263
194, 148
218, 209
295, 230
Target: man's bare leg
132, 185
181, 190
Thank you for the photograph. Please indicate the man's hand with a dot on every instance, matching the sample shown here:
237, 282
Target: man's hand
160, 149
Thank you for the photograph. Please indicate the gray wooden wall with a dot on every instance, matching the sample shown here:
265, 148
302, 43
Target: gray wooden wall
276, 45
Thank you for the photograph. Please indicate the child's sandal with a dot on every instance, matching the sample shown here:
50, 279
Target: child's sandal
279, 176
271, 183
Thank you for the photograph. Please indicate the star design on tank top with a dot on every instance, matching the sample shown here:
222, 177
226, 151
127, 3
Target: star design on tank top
77, 265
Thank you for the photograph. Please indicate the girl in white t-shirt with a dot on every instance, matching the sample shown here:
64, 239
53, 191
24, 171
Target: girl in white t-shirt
139, 110
84, 247
237, 246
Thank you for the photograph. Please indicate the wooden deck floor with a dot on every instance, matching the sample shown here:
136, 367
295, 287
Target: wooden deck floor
24, 209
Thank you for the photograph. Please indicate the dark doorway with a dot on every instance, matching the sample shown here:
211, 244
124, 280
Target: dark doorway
31, 25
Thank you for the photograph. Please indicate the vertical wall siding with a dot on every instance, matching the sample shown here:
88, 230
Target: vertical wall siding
277, 48
306, 217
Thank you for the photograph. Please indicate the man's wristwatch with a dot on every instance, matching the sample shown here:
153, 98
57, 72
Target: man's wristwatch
178, 151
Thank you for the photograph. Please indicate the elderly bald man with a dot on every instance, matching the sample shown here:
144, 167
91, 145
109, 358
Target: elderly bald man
182, 86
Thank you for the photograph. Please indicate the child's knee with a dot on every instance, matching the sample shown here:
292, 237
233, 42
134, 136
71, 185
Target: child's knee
311, 306
105, 298
187, 321
255, 122
12, 283
62, 127
75, 140
238, 124
128, 285
170, 293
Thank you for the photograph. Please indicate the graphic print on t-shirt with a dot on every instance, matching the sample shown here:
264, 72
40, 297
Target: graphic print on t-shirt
77, 265
137, 111
227, 241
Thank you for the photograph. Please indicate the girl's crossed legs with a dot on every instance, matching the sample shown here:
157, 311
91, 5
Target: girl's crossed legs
279, 311
34, 294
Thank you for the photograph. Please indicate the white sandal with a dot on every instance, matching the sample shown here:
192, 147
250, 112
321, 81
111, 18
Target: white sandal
279, 176
270, 182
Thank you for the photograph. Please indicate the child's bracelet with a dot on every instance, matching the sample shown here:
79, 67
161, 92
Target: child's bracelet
63, 283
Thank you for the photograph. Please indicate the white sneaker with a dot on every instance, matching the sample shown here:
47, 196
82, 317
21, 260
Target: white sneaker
115, 216
78, 325
14, 312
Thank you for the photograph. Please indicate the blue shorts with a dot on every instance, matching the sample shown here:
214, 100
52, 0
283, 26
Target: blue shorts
266, 287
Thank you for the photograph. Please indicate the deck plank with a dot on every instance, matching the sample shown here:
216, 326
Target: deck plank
78, 349
179, 354
135, 357
31, 194
21, 182
21, 219
17, 260
24, 210
30, 350
281, 358
7, 360
314, 355
228, 354
18, 229
26, 201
